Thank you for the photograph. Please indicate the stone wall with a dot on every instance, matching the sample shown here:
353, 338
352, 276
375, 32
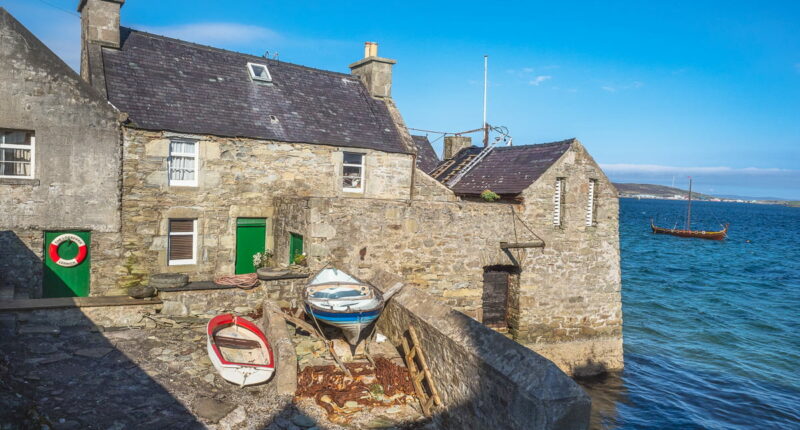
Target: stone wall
441, 247
76, 162
237, 178
571, 289
485, 380
565, 302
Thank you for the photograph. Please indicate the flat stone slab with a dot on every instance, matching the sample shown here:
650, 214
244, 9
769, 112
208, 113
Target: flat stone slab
38, 329
212, 410
97, 352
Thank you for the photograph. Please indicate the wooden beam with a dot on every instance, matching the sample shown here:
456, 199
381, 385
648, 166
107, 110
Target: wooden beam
73, 302
516, 245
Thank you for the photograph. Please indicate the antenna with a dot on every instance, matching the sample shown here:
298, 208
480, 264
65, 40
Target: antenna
485, 86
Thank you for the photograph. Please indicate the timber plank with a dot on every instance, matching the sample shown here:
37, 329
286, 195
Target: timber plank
73, 302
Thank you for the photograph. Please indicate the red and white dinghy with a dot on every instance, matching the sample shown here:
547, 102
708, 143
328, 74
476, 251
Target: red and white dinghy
239, 350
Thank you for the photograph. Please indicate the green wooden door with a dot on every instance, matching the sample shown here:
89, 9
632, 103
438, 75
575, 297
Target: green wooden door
66, 263
295, 246
251, 234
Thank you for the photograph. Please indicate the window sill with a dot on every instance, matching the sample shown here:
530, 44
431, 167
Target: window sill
19, 181
353, 190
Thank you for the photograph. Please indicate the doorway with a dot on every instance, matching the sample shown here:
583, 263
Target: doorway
498, 283
295, 246
251, 238
66, 263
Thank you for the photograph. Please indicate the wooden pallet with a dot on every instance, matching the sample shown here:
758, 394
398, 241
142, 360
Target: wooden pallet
418, 368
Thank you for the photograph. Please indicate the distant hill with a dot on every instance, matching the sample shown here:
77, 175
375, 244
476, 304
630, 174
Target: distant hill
660, 191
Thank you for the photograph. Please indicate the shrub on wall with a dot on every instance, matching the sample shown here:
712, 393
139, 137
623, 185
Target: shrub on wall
490, 195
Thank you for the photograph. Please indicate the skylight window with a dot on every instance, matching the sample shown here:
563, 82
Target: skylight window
259, 72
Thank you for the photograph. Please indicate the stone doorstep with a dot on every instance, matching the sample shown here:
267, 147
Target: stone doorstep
73, 302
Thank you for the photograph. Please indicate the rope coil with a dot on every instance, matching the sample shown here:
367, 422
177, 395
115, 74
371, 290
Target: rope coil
245, 281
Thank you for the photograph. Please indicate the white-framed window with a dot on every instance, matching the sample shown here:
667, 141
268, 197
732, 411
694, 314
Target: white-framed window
259, 72
182, 162
353, 172
17, 153
558, 202
591, 209
182, 246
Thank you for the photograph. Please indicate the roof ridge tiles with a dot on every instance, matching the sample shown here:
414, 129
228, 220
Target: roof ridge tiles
230, 51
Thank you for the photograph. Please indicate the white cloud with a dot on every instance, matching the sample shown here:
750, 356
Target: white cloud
611, 88
217, 33
539, 79
673, 170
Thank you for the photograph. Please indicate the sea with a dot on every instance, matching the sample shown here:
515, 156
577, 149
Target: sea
711, 329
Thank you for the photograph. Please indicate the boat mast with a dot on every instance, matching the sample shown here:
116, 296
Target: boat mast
689, 213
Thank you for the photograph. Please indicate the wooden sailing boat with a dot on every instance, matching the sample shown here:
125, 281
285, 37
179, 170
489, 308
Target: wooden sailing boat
688, 232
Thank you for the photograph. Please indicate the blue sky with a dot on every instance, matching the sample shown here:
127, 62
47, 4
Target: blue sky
654, 90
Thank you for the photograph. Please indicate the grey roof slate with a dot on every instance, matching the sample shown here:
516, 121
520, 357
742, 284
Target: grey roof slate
506, 170
169, 84
427, 160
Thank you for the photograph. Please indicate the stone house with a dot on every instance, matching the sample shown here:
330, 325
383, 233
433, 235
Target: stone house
211, 137
59, 173
218, 155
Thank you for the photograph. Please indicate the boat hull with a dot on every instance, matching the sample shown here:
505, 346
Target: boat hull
352, 324
710, 235
239, 373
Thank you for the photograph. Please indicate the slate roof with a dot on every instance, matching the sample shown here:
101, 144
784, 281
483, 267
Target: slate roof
169, 84
507, 170
427, 160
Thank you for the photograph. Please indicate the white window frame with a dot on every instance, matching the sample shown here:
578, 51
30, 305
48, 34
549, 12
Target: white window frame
255, 77
591, 210
558, 200
363, 167
193, 233
195, 157
31, 148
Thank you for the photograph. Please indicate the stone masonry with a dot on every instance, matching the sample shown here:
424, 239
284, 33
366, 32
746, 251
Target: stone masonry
566, 305
237, 178
76, 164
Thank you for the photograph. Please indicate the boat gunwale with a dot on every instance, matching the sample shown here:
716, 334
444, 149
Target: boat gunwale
333, 311
701, 234
234, 320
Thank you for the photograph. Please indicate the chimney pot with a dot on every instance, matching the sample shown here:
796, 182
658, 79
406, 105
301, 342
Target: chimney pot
374, 71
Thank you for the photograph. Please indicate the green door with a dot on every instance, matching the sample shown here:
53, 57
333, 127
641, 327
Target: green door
251, 234
295, 246
66, 263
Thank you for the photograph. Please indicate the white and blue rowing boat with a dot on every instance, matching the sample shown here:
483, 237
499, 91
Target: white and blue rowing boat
341, 300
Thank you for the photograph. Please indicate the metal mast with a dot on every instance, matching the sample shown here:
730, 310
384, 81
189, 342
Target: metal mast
485, 86
689, 213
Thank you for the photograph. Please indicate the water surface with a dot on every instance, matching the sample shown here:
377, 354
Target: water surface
711, 329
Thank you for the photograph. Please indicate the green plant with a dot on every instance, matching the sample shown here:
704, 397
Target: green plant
490, 195
262, 259
300, 260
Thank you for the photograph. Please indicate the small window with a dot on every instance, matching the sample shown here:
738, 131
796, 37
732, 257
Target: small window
182, 241
591, 209
16, 153
558, 202
353, 172
182, 163
259, 72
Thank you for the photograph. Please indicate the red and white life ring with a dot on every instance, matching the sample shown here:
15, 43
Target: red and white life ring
82, 250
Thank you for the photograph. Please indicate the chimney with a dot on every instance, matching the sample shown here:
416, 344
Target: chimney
374, 71
453, 144
99, 28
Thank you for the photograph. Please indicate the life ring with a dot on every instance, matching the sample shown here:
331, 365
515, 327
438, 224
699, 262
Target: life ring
63, 262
